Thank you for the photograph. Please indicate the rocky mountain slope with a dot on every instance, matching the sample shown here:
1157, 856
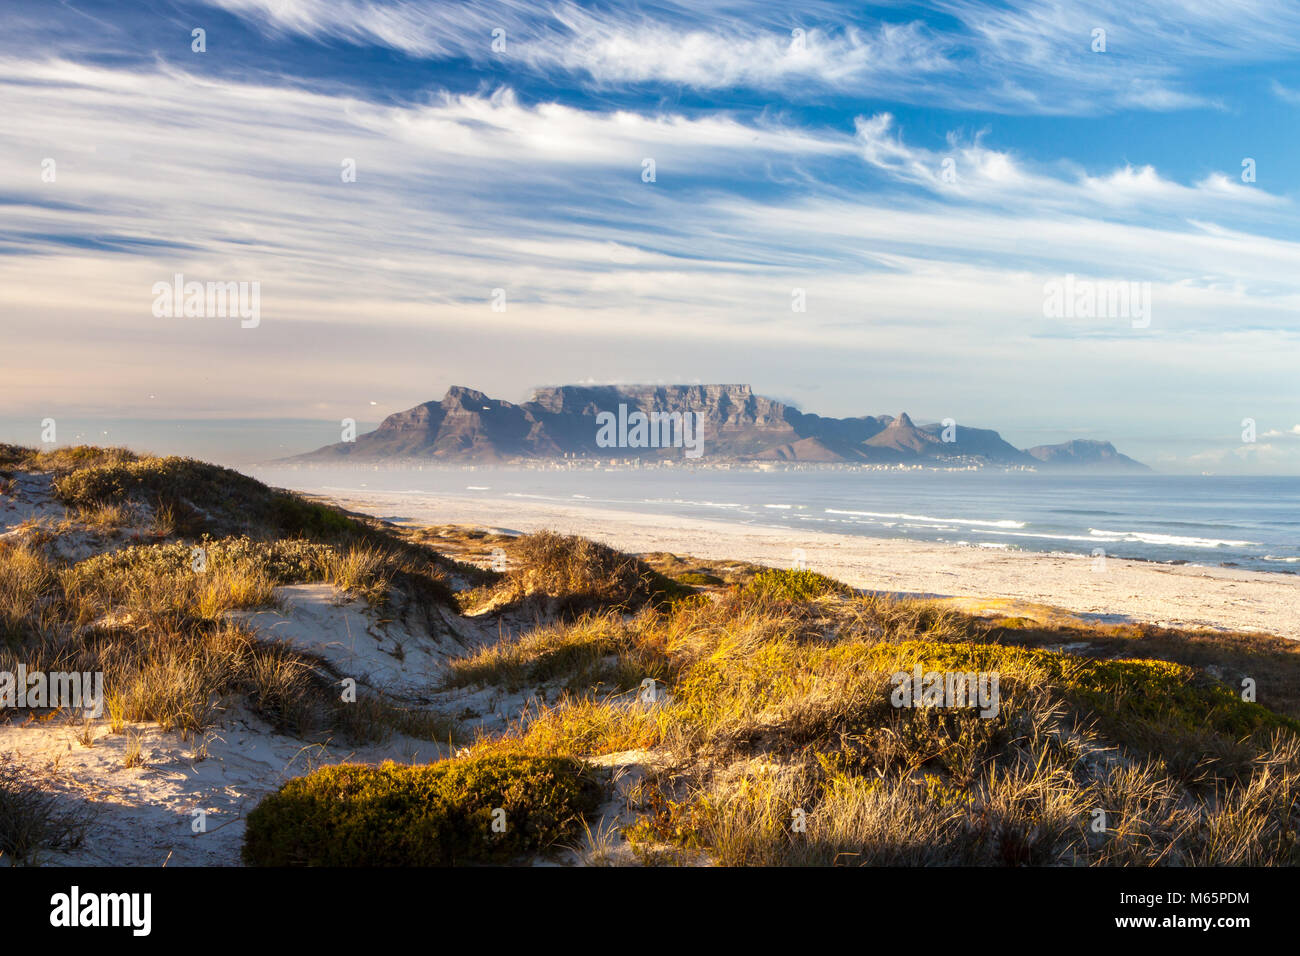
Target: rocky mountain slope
1084, 453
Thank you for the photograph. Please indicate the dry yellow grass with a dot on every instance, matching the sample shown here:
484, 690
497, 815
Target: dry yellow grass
772, 736
782, 747
159, 631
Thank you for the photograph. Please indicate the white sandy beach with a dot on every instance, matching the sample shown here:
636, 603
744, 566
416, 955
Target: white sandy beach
1176, 595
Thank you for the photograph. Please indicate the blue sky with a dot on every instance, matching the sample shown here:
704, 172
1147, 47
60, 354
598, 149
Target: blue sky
920, 171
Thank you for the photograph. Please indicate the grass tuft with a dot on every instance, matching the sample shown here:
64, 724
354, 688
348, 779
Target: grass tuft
567, 575
32, 820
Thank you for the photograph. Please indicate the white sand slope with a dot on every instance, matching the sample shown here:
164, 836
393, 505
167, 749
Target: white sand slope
145, 815
1181, 595
357, 642
31, 497
148, 814
29, 510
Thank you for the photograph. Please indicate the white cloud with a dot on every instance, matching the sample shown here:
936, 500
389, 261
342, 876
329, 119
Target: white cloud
1285, 93
968, 170
739, 54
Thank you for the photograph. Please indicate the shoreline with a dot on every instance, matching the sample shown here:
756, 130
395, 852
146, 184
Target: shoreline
1119, 590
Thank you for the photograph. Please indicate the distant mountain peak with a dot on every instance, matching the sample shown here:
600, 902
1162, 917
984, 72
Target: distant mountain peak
457, 392
469, 398
1085, 453
902, 437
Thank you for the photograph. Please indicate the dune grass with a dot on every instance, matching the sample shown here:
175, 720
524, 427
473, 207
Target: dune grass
34, 821
782, 745
154, 619
566, 575
595, 651
62, 460
773, 736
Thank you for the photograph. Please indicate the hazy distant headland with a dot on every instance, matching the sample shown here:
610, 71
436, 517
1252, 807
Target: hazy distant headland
720, 423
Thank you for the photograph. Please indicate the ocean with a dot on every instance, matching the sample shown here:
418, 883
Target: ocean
1248, 522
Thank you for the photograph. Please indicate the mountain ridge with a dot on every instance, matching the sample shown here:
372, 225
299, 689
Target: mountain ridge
726, 422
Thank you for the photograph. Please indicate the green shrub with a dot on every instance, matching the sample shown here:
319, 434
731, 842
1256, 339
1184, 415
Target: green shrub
433, 815
1163, 694
795, 585
699, 579
293, 515
149, 478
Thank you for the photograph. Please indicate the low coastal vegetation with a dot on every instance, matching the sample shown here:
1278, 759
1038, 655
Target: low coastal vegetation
769, 734
491, 809
795, 585
562, 575
155, 618
32, 820
671, 710
777, 742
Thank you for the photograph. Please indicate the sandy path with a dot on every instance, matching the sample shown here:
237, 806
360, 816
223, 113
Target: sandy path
1122, 590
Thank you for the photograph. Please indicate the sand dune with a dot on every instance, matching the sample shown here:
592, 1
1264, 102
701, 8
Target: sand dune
1183, 595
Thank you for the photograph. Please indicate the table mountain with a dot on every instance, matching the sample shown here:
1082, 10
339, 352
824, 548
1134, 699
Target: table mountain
615, 421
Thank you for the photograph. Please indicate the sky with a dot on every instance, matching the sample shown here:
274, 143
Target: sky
855, 208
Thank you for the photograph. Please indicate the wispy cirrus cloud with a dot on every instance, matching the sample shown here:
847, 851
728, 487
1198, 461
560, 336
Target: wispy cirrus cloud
1030, 57
968, 170
464, 194
1285, 93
